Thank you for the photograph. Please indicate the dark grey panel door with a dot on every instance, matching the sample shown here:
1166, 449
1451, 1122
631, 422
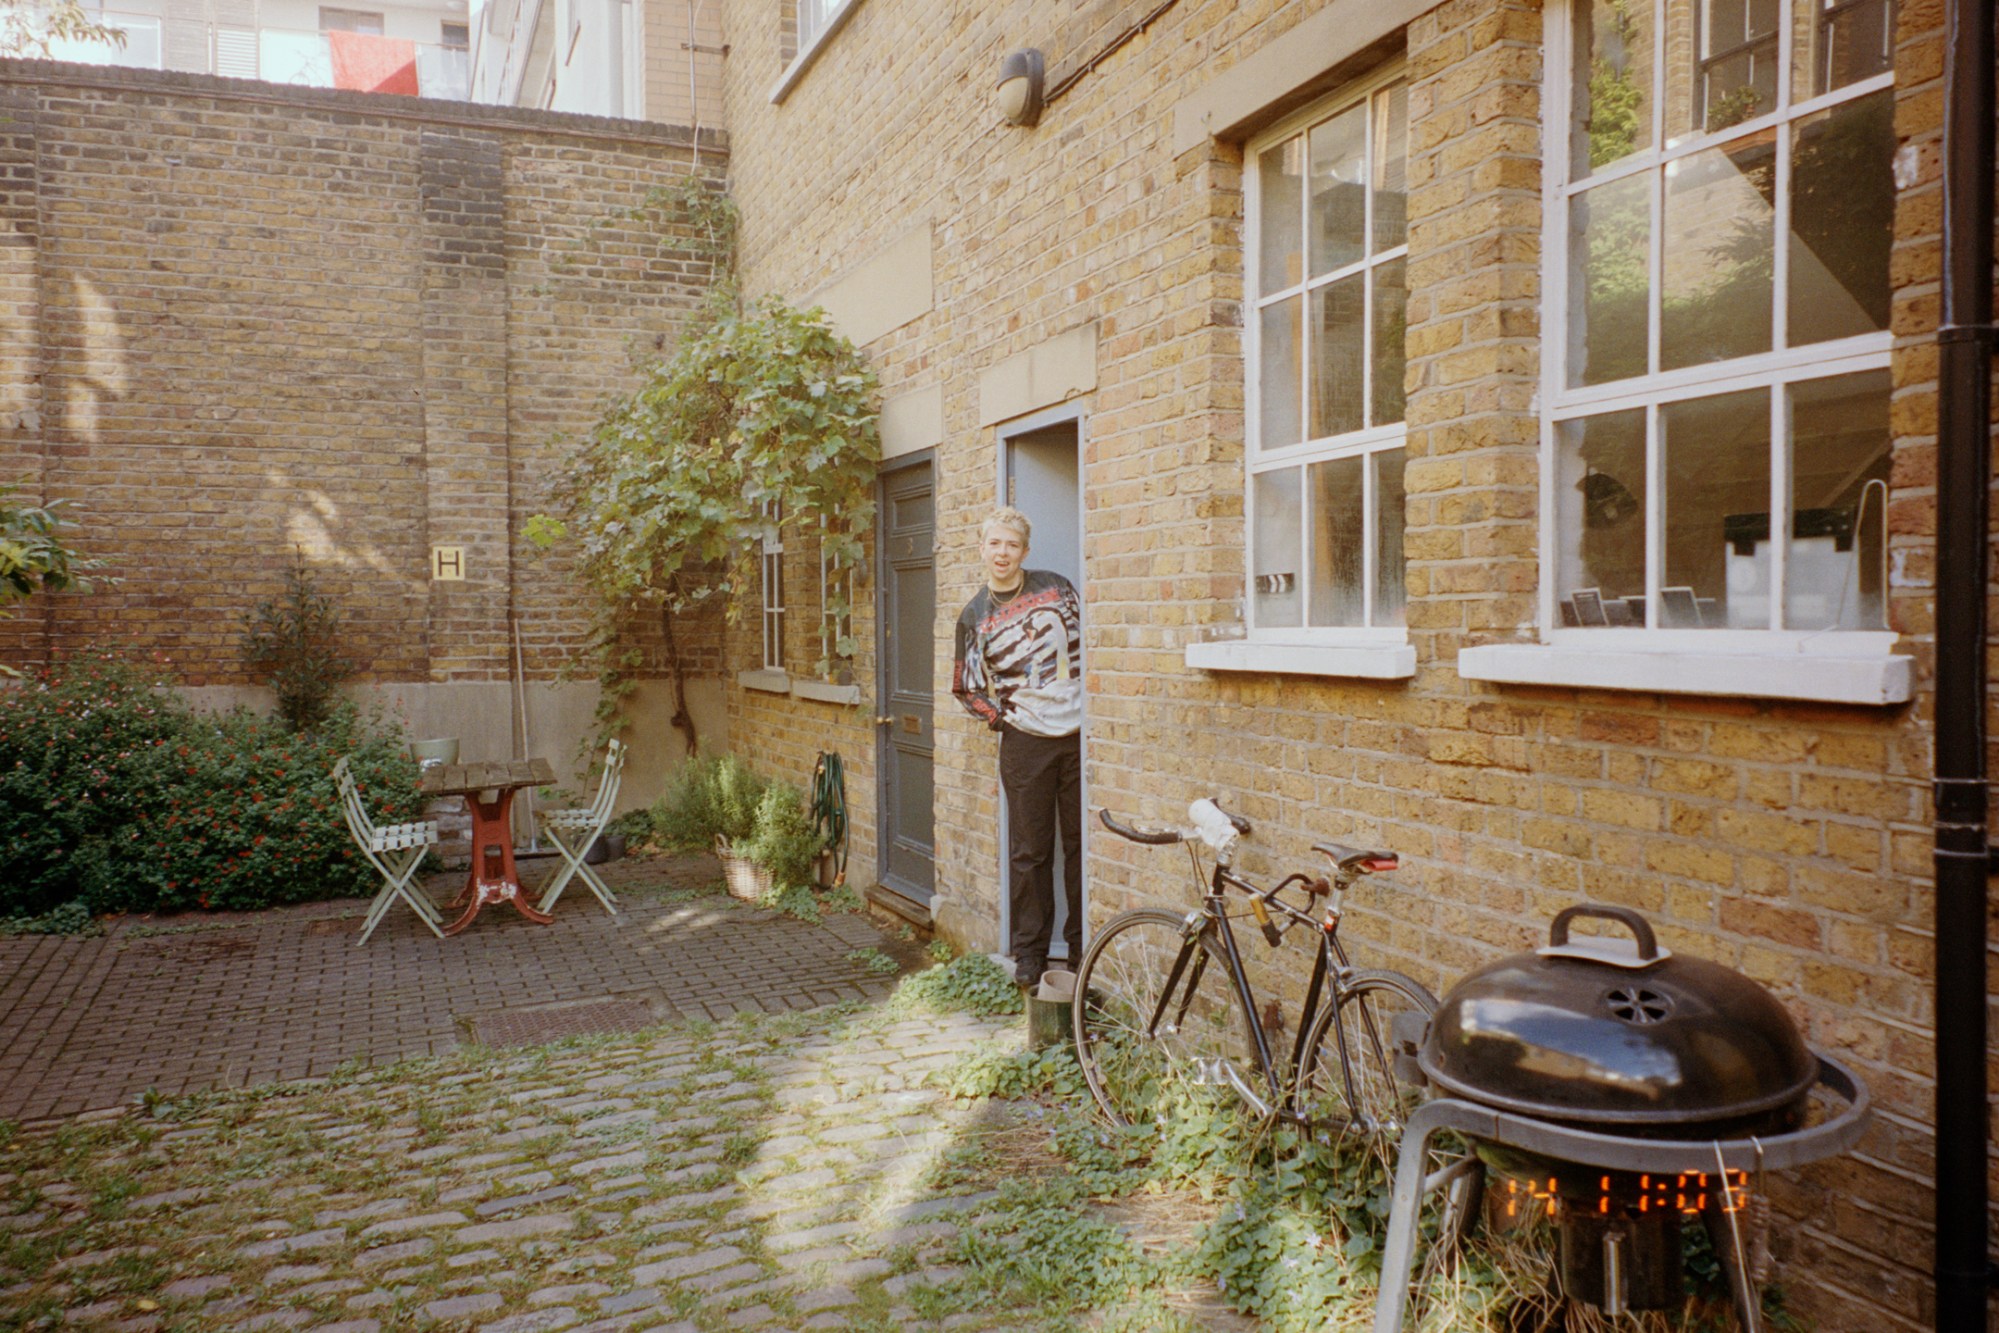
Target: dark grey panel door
908, 654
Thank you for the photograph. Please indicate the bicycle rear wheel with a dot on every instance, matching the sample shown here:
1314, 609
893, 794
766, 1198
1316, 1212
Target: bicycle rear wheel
1371, 1037
1153, 1044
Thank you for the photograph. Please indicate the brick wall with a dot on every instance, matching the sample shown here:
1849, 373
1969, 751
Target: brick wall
1789, 840
237, 319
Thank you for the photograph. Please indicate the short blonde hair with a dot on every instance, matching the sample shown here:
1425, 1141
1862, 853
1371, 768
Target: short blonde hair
1006, 516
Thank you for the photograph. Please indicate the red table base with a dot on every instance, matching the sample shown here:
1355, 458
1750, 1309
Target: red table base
492, 878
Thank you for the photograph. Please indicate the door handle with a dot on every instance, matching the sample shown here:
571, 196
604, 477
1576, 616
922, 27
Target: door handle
884, 721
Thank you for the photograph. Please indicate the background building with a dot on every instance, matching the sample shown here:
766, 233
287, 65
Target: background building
636, 59
416, 48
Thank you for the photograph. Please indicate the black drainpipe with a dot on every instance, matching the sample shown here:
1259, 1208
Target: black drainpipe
1964, 858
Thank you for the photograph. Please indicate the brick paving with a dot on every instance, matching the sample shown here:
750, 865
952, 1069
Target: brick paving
226, 1001
792, 1167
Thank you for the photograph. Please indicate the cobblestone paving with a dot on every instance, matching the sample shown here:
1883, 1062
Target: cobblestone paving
225, 1001
769, 1173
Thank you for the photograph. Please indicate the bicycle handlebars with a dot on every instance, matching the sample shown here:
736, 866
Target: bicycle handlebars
1162, 837
1154, 837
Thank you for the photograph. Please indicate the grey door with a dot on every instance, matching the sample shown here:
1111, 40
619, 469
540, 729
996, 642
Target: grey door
1042, 479
908, 614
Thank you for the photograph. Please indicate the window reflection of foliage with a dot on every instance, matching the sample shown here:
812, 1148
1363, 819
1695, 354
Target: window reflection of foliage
1616, 99
1730, 315
1733, 107
1616, 248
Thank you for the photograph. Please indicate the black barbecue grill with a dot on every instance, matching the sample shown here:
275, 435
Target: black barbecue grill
1627, 1090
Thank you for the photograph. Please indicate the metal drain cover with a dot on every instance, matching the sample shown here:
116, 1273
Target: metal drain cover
572, 1018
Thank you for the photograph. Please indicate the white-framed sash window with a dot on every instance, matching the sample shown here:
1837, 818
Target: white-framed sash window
836, 607
772, 565
1720, 210
1326, 279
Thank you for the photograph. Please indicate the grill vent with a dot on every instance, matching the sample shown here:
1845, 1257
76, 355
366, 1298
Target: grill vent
1638, 1005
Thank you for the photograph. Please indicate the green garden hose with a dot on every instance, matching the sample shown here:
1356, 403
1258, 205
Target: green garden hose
829, 810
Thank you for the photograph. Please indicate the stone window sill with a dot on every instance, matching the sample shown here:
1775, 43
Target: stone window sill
803, 60
768, 680
1848, 677
825, 692
1373, 659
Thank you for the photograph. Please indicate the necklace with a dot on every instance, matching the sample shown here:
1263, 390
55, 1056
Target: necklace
1002, 601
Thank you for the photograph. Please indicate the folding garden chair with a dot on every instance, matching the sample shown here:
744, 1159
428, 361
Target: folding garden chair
572, 832
393, 849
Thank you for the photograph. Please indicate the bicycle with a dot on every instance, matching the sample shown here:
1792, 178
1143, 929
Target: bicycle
1165, 1013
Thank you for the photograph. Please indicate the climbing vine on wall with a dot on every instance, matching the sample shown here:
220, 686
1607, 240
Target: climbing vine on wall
759, 411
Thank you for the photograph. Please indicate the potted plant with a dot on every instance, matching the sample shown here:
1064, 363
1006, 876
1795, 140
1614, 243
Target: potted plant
758, 826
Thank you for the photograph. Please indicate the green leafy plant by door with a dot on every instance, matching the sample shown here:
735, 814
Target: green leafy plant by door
766, 412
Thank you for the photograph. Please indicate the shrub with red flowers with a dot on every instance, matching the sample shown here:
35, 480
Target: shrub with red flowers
114, 793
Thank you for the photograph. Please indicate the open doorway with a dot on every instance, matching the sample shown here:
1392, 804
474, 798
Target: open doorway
1041, 474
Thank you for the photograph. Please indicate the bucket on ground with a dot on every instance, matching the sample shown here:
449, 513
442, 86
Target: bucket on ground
1048, 1009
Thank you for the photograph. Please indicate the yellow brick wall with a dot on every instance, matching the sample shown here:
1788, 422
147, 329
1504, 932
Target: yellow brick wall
238, 319
1789, 840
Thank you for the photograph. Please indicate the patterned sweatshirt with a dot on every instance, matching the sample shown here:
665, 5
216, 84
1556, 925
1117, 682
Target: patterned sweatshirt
1019, 659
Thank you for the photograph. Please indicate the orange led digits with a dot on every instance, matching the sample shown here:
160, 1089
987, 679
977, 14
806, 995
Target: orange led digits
1685, 1193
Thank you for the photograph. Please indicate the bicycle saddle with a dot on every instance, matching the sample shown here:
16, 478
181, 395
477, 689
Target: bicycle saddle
1352, 859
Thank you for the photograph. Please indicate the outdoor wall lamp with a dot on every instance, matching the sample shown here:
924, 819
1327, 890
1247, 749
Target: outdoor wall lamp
1020, 86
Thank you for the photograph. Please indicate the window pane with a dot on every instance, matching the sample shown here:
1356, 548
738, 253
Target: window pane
1720, 252
1849, 40
1277, 355
1613, 101
1391, 588
1717, 519
1339, 384
1839, 500
1339, 189
1338, 540
1610, 229
1737, 74
1279, 190
1391, 163
1278, 572
1599, 516
1391, 328
1842, 220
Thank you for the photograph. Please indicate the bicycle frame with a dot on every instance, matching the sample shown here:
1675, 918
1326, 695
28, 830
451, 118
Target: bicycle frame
1330, 961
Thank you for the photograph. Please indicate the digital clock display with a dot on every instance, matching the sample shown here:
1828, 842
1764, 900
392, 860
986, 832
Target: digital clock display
1622, 1192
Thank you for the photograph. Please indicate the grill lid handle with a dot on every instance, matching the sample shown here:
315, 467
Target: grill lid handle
1642, 950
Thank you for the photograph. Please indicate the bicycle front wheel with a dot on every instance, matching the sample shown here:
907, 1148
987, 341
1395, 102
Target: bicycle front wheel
1153, 1043
1359, 1087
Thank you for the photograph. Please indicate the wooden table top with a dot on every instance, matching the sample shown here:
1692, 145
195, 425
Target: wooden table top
464, 779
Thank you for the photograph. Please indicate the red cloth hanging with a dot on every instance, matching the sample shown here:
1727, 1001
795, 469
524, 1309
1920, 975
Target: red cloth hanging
373, 64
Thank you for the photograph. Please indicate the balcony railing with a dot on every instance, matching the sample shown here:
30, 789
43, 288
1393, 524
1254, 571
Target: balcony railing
279, 55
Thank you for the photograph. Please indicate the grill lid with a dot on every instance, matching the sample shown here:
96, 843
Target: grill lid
1598, 1032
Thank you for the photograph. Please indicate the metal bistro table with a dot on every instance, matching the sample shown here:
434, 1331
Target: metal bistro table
489, 790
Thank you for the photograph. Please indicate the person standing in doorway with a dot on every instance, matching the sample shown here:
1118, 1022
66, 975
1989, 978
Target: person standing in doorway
1017, 667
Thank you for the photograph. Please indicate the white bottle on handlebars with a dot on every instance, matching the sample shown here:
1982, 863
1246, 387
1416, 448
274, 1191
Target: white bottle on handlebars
1214, 828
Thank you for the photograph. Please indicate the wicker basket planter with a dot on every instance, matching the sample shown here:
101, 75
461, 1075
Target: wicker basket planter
746, 878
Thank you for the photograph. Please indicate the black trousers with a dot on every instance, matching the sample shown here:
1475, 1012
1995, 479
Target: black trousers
1043, 780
